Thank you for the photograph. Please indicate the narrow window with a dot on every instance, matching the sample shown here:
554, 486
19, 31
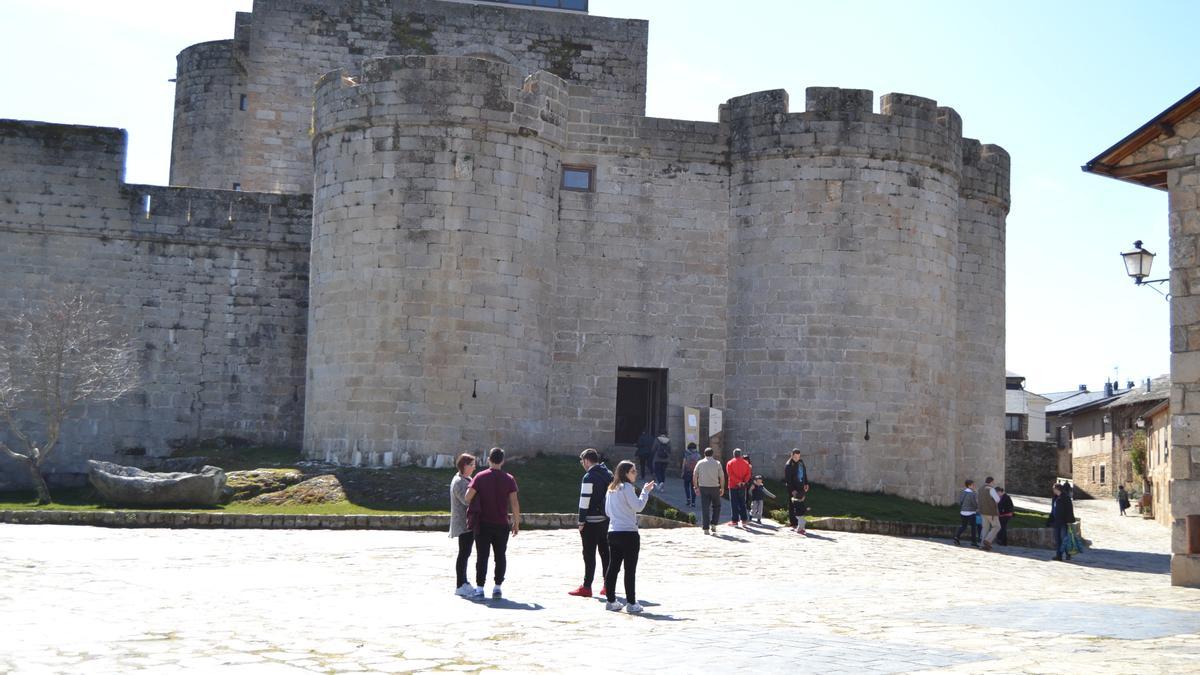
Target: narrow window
237, 186
578, 178
1102, 474
146, 206
243, 104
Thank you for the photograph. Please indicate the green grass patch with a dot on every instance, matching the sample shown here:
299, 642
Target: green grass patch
825, 502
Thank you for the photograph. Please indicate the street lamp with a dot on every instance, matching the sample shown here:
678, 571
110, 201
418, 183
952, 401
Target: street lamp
1137, 265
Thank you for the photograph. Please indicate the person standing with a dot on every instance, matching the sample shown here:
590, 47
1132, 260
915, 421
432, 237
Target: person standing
690, 457
710, 482
593, 523
738, 470
988, 511
968, 506
493, 492
795, 479
622, 504
662, 456
644, 454
458, 522
1005, 507
1062, 516
1122, 499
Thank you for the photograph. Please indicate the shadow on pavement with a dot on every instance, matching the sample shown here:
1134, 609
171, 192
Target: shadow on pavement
505, 603
809, 534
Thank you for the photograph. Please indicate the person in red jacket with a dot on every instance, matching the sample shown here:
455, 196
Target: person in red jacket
738, 470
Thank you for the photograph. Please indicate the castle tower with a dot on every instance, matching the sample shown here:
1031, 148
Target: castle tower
843, 295
433, 258
210, 103
983, 207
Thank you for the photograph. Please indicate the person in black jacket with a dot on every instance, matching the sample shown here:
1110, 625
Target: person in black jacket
1005, 509
1062, 515
795, 479
593, 523
645, 453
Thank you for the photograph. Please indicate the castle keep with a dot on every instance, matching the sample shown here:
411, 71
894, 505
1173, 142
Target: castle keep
469, 234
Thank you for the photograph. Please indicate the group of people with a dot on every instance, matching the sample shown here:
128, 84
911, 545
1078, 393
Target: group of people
481, 504
987, 512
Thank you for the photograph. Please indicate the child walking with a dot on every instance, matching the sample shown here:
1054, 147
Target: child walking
758, 492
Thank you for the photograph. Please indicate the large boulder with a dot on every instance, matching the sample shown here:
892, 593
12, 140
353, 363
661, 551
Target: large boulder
126, 485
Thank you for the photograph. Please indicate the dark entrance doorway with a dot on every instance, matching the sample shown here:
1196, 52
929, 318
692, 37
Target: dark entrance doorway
641, 403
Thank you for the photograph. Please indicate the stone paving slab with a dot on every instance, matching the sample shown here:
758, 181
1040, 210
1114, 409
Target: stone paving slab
98, 600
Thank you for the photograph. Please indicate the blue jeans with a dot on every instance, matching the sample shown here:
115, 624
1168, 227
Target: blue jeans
737, 502
689, 493
660, 473
1060, 539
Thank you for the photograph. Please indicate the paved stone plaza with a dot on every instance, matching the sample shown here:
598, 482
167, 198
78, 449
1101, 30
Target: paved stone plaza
79, 599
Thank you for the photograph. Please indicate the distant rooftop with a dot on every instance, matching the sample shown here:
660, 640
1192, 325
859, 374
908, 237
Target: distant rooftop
567, 5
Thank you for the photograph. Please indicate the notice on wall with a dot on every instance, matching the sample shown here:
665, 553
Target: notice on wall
691, 426
714, 421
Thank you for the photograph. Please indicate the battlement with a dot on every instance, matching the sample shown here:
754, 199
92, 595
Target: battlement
457, 90
842, 122
67, 151
986, 172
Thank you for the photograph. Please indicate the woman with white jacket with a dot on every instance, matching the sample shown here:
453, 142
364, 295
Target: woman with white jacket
621, 505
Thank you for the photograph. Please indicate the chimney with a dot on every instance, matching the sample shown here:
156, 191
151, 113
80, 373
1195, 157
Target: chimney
1083, 387
1108, 389
1147, 385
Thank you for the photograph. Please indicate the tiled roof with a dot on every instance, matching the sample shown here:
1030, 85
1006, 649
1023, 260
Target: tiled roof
1160, 389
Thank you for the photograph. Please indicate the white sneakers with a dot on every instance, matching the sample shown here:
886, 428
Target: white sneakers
465, 591
633, 608
614, 606
496, 594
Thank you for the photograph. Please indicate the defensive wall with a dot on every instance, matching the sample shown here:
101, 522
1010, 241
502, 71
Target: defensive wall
833, 277
213, 285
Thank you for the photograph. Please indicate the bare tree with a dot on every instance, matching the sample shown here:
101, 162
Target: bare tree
55, 357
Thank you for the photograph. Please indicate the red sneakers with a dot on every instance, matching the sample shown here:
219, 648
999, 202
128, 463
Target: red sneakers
583, 592
604, 591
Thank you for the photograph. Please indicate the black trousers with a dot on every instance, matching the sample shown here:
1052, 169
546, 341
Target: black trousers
796, 511
710, 506
1002, 538
623, 548
490, 539
465, 540
964, 523
595, 539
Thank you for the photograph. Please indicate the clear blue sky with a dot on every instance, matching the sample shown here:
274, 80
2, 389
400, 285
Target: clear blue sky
1054, 83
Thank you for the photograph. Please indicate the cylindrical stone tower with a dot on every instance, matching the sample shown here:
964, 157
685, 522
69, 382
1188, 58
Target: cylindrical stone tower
436, 182
206, 144
843, 294
983, 208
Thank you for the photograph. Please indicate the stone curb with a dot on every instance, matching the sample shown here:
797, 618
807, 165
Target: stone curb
1028, 537
218, 520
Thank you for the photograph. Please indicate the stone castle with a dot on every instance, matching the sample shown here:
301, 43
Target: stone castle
469, 234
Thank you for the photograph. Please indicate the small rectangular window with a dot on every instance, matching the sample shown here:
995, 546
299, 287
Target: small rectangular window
237, 186
243, 104
1102, 474
578, 178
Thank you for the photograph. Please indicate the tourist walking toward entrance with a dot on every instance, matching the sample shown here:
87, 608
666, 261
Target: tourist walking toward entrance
645, 453
593, 523
458, 523
988, 511
1062, 516
758, 492
492, 493
738, 470
1122, 499
968, 506
795, 480
1005, 507
690, 457
624, 543
662, 456
710, 482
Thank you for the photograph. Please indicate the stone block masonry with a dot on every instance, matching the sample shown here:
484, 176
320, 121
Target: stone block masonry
817, 274
213, 284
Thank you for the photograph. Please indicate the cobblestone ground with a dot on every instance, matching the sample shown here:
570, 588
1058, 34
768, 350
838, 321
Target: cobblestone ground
76, 599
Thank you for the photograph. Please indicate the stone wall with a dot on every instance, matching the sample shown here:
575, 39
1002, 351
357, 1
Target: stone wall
212, 284
1031, 468
284, 46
